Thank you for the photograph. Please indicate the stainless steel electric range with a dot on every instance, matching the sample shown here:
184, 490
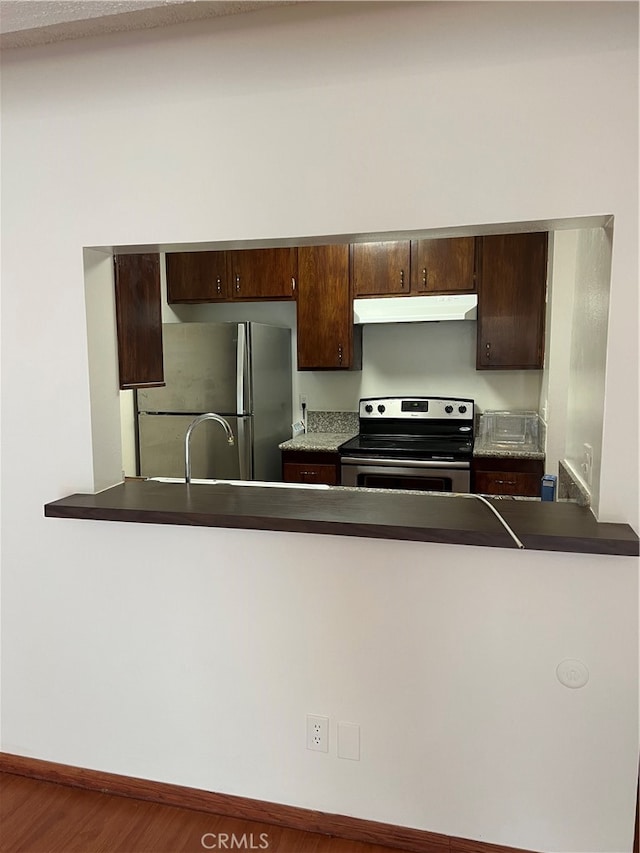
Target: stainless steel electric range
411, 443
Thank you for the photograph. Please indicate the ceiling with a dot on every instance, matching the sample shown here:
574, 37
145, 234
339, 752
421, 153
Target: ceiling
24, 23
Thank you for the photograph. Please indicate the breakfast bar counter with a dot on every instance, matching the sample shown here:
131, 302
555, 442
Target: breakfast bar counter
425, 517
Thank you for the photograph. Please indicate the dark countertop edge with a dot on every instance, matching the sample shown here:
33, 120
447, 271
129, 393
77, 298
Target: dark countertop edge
289, 525
126, 504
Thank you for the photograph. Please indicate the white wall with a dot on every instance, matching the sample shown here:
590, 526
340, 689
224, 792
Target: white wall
407, 358
587, 362
559, 318
145, 650
573, 387
103, 369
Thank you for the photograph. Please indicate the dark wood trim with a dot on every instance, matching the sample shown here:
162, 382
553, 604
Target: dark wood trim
230, 805
540, 525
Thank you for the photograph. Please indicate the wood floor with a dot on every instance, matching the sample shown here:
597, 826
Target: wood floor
44, 817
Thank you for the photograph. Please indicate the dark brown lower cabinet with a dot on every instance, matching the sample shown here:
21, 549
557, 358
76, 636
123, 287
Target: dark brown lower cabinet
506, 476
139, 320
306, 466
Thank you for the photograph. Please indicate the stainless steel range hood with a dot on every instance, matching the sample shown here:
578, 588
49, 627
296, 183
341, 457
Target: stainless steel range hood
415, 309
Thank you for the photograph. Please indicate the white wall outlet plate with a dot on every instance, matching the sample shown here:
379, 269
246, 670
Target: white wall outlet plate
317, 733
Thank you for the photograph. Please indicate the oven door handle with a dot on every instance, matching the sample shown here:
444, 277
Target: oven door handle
404, 463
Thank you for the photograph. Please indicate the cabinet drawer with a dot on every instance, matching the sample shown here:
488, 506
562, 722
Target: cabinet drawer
507, 483
493, 475
299, 472
311, 466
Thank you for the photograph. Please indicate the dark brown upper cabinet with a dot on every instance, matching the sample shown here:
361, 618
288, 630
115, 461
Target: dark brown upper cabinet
511, 301
227, 276
444, 265
325, 310
197, 277
138, 320
263, 273
381, 269
412, 268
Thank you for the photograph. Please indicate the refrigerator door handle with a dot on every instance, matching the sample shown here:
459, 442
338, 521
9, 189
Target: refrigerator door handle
242, 368
243, 467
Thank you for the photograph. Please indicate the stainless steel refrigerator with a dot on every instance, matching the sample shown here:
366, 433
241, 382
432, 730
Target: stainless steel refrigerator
241, 371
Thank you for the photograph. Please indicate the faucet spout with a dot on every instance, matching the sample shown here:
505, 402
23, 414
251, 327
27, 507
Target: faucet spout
208, 416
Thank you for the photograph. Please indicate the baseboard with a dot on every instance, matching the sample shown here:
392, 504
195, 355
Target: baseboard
291, 817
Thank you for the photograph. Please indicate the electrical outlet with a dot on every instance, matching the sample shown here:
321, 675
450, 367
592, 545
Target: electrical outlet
302, 399
317, 733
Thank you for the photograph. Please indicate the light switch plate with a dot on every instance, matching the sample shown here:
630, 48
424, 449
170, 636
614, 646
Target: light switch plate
349, 741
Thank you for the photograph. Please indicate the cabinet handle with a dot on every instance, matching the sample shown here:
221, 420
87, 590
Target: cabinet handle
219, 285
293, 284
401, 279
424, 277
505, 482
237, 284
340, 354
488, 351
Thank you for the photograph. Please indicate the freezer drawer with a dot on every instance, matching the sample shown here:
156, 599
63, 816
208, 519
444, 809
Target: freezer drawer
161, 442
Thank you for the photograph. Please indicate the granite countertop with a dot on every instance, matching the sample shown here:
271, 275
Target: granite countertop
483, 447
330, 441
326, 431
322, 441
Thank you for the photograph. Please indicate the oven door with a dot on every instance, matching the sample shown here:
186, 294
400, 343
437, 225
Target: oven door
406, 474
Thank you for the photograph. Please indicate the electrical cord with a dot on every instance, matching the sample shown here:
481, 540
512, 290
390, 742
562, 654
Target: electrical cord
500, 519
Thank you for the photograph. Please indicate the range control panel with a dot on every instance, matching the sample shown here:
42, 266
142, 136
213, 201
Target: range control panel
416, 408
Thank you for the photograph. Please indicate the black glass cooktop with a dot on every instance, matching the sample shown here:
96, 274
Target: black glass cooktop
409, 447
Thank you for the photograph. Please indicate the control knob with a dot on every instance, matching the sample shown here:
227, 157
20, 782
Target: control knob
462, 409
448, 409
368, 408
381, 408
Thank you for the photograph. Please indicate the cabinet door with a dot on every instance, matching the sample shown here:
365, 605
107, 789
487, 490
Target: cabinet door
197, 277
444, 265
325, 308
263, 273
138, 320
379, 269
511, 301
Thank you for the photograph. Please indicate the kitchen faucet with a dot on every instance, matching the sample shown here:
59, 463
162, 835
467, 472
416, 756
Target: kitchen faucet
208, 416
